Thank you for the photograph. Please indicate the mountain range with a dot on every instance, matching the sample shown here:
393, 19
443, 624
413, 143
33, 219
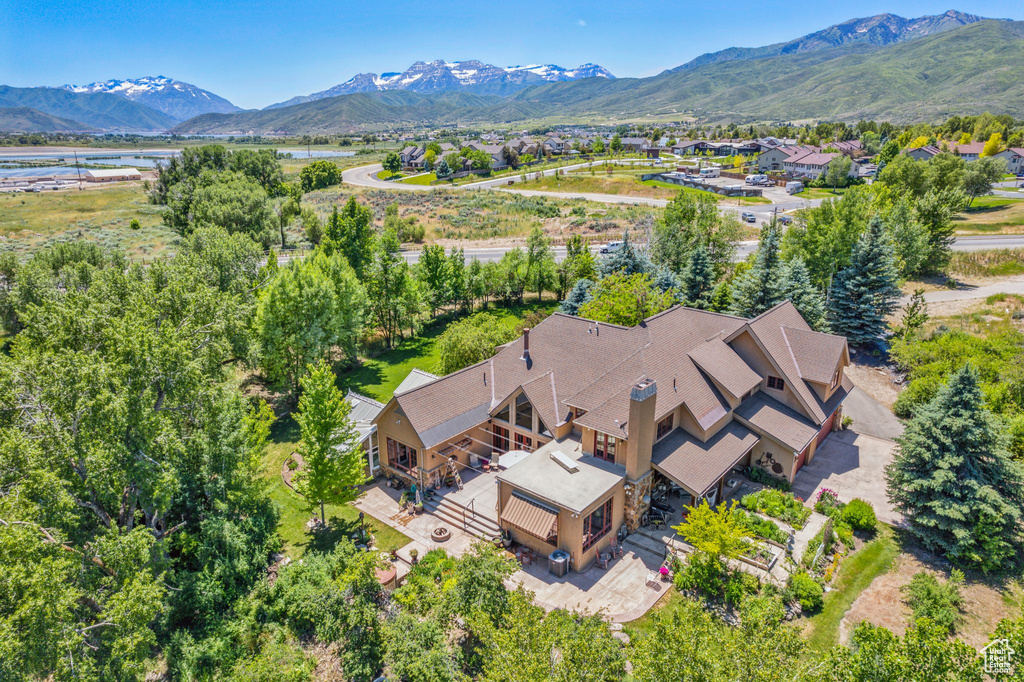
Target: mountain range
468, 76
181, 101
882, 67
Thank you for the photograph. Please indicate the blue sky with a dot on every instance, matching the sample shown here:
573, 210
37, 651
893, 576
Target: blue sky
256, 53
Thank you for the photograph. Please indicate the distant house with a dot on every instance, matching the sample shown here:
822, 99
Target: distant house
970, 151
848, 147
633, 144
813, 164
415, 158
554, 145
774, 159
687, 148
112, 175
1014, 160
923, 153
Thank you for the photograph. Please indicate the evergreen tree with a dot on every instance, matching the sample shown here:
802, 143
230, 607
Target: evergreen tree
444, 171
626, 260
865, 292
954, 480
698, 282
760, 288
721, 299
797, 287
578, 295
333, 462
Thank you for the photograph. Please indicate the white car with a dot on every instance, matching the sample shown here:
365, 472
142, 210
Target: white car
611, 247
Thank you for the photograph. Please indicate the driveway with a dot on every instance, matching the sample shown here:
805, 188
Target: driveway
871, 417
853, 465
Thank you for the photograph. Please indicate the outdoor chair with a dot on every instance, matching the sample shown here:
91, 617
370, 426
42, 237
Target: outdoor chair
652, 580
616, 549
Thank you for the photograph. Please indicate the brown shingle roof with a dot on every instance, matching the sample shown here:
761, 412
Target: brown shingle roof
784, 424
722, 363
817, 355
696, 465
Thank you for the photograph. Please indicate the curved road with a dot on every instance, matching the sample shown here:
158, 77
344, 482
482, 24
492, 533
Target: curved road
366, 176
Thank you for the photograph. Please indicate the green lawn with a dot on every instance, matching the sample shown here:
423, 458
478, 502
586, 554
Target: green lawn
422, 179
855, 574
717, 197
820, 193
668, 603
343, 520
387, 175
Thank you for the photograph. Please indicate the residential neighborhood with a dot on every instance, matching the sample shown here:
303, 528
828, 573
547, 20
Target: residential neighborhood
512, 343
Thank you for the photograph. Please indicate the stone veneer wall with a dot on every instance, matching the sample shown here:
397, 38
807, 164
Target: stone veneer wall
634, 507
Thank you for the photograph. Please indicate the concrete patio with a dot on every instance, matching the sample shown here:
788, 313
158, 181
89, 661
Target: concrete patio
620, 592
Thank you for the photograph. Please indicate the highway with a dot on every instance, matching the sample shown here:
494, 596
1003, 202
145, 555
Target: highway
366, 176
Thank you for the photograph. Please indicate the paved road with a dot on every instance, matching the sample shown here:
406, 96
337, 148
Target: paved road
1009, 285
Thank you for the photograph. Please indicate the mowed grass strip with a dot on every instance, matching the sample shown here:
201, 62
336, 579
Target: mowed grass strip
855, 574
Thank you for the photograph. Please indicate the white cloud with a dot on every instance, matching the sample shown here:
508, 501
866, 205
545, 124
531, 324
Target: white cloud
581, 22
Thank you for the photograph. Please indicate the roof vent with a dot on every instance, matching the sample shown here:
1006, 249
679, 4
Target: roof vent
526, 344
564, 461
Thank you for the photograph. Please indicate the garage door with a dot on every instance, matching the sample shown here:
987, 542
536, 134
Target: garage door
826, 428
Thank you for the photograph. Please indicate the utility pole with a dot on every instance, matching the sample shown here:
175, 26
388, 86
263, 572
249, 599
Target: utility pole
78, 169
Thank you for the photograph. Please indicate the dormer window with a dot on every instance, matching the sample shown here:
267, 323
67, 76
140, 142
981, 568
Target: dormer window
835, 379
503, 415
665, 426
776, 383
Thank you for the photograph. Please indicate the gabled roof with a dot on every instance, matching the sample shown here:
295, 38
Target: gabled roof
414, 379
768, 329
781, 422
817, 355
722, 363
698, 465
578, 363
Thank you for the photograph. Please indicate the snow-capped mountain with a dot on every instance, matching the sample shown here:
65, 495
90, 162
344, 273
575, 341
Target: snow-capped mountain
441, 76
181, 101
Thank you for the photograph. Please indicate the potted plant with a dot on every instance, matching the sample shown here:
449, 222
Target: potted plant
418, 507
414, 554
403, 500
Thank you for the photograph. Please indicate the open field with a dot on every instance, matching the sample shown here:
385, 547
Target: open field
992, 215
981, 264
625, 184
30, 221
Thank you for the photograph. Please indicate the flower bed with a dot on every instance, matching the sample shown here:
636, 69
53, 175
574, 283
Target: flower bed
778, 505
762, 528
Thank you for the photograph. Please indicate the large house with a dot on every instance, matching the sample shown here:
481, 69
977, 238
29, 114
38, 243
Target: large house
814, 164
583, 418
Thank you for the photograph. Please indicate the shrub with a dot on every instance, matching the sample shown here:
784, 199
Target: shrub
805, 590
941, 602
828, 502
738, 585
778, 505
762, 527
860, 515
759, 475
702, 573
844, 533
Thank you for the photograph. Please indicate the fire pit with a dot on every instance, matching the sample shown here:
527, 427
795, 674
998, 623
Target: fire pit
440, 534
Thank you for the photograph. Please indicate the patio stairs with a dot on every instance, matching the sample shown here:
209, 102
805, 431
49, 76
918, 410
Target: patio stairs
655, 542
452, 512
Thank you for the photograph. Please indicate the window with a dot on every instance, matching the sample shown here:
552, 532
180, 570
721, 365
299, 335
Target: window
835, 379
542, 429
401, 456
664, 426
776, 383
523, 442
500, 438
604, 446
524, 413
503, 415
597, 525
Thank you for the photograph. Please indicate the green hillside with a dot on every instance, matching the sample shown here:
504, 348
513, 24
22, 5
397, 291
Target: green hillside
964, 70
98, 110
24, 119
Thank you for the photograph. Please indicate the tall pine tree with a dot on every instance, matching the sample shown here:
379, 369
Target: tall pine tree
798, 288
954, 480
760, 287
865, 292
698, 280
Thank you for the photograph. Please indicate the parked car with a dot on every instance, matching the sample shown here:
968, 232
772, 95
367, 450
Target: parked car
748, 217
611, 247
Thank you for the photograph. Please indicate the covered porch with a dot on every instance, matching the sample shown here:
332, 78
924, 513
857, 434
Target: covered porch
700, 468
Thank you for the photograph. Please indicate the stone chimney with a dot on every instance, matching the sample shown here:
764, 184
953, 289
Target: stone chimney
642, 398
526, 344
